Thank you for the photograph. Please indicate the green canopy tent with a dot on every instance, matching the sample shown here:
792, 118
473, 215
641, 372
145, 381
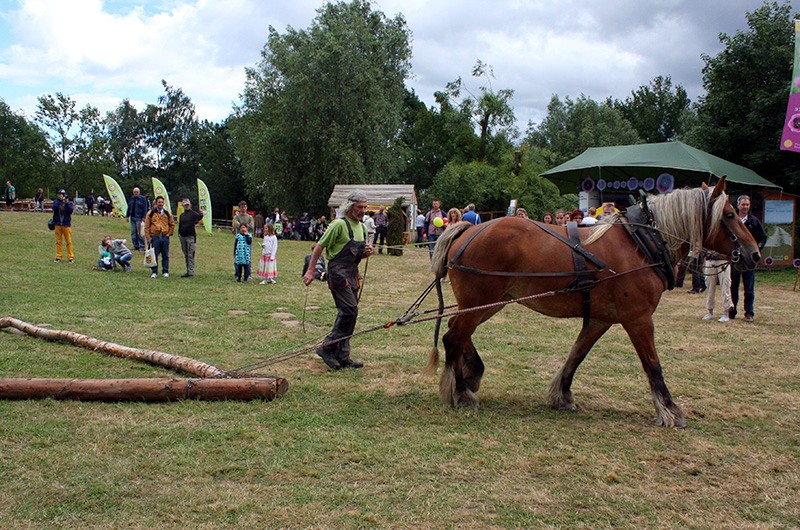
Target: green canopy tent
625, 163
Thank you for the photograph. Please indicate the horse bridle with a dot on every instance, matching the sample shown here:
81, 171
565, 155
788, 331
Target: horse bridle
736, 253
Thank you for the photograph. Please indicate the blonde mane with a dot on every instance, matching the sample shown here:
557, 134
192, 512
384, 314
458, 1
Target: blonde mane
680, 216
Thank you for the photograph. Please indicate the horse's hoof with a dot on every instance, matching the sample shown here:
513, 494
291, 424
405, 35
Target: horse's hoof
568, 407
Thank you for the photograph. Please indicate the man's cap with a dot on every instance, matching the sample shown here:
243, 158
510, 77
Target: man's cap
185, 202
62, 191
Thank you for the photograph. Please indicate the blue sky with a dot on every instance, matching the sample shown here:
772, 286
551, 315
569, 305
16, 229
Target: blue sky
100, 52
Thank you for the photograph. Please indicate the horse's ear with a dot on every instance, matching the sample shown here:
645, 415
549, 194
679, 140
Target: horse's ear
719, 189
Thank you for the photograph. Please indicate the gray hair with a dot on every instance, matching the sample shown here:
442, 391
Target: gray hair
352, 198
470, 207
742, 198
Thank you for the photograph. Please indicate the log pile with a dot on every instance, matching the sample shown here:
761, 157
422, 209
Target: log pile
213, 383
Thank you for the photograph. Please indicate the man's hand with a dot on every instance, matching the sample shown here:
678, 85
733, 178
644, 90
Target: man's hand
369, 250
308, 277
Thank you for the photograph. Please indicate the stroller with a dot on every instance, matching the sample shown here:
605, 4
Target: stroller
320, 272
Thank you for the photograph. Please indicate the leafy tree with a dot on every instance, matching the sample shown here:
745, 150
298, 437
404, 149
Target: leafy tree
741, 116
432, 138
655, 111
25, 156
324, 106
217, 165
168, 127
491, 109
573, 126
126, 137
535, 193
73, 135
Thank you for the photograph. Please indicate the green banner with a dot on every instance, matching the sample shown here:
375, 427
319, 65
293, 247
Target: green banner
204, 204
159, 190
116, 196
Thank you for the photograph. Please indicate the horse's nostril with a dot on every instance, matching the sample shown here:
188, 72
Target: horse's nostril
756, 257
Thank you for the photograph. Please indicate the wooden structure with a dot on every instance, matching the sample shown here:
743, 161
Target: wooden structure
379, 195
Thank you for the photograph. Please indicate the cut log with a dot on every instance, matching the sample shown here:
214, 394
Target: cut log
173, 362
148, 390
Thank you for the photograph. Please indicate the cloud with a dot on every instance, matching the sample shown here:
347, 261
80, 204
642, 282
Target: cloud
107, 51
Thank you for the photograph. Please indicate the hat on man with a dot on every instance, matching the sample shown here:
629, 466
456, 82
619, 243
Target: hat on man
62, 191
185, 202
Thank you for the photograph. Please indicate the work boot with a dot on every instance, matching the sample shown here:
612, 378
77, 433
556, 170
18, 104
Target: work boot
347, 362
329, 359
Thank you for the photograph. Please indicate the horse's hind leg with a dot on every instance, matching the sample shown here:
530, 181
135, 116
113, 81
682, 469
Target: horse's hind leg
641, 333
559, 395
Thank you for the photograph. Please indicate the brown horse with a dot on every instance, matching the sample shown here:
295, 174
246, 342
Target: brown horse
513, 258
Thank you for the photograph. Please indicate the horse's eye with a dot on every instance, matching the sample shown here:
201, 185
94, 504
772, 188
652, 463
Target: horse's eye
729, 215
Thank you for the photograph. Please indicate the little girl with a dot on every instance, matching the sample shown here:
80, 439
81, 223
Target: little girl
241, 253
268, 267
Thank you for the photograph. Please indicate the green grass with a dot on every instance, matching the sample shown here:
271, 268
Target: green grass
376, 448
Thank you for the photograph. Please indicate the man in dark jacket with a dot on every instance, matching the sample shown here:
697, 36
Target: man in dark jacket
62, 218
749, 277
188, 236
137, 209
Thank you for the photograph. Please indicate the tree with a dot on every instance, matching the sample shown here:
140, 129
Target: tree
655, 111
491, 109
25, 156
324, 106
396, 228
217, 165
73, 135
741, 116
126, 136
432, 138
571, 127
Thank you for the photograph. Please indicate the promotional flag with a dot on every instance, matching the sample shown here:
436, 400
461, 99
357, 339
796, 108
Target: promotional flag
790, 139
204, 204
159, 190
116, 196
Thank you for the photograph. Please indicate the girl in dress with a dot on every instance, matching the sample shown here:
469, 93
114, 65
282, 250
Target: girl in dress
268, 266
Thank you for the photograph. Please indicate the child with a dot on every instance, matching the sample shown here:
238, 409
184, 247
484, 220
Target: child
268, 267
319, 269
119, 252
241, 253
106, 262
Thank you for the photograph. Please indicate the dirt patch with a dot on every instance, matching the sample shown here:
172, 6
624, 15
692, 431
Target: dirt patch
238, 312
291, 323
281, 315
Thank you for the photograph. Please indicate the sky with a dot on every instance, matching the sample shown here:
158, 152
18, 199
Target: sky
101, 52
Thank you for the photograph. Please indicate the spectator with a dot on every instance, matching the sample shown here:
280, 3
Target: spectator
471, 216
419, 224
345, 243
159, 226
10, 195
38, 200
577, 216
590, 219
547, 218
62, 217
89, 204
718, 270
748, 277
453, 216
268, 265
381, 229
188, 235
242, 253
431, 229
137, 210
369, 222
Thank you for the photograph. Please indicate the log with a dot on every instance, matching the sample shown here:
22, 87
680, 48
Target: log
147, 390
178, 363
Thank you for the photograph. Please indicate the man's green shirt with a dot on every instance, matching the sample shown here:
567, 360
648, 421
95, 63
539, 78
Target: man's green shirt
336, 236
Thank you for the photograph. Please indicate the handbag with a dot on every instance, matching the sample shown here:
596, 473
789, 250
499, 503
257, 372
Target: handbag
51, 224
150, 257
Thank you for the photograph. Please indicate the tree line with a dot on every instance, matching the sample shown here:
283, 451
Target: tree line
328, 105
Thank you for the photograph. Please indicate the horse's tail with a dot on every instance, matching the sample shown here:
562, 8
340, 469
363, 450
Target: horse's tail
439, 268
439, 259
433, 358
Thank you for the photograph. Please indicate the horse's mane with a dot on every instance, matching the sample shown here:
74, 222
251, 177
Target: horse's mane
439, 259
679, 215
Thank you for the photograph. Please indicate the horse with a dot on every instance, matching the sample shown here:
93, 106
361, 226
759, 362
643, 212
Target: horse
519, 260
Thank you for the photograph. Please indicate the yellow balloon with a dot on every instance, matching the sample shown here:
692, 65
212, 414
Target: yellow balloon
437, 222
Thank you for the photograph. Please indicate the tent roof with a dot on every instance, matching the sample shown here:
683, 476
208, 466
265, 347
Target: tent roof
649, 160
377, 194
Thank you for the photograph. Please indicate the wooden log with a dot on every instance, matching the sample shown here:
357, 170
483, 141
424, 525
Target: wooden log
173, 362
147, 390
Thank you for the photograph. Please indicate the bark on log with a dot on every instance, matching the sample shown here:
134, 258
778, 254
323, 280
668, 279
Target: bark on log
173, 362
148, 390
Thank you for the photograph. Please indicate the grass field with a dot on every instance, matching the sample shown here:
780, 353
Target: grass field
375, 448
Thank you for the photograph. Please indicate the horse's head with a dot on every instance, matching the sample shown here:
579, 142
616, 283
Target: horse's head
730, 237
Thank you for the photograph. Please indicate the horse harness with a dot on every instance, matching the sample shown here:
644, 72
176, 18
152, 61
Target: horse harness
639, 223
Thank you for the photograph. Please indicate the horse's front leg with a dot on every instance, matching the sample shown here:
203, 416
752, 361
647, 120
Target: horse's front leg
641, 333
559, 395
463, 368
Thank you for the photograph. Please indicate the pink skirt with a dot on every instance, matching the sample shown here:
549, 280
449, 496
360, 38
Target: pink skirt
267, 267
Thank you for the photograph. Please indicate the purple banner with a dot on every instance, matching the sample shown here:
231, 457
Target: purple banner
790, 139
